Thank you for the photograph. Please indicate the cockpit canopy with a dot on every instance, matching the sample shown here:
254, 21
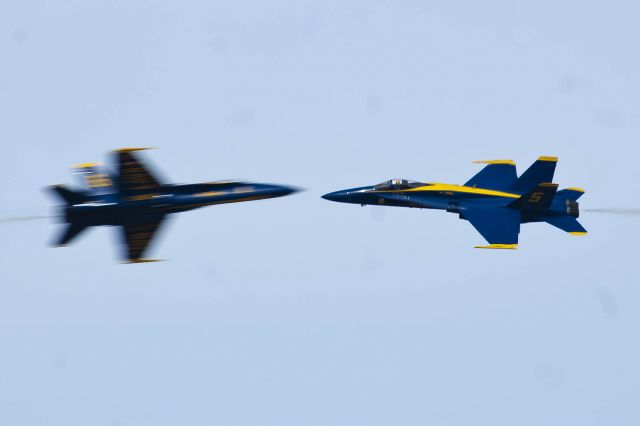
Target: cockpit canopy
397, 184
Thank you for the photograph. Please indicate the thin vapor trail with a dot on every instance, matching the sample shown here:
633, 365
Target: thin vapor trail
6, 220
625, 212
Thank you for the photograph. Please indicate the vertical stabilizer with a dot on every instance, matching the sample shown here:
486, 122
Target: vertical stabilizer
539, 198
541, 171
67, 195
94, 178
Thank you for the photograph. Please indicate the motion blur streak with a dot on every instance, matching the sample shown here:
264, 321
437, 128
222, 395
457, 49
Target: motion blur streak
21, 219
626, 212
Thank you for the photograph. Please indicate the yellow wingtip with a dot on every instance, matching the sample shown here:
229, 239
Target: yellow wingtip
142, 261
510, 162
578, 234
85, 165
576, 189
547, 158
499, 246
133, 149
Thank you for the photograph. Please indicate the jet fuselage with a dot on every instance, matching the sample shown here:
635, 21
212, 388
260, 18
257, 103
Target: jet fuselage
495, 200
113, 209
439, 196
132, 198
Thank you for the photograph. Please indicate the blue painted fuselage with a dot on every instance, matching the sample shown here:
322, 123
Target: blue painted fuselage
135, 200
494, 201
451, 198
117, 209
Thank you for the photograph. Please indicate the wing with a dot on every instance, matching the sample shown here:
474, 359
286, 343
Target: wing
500, 226
137, 238
132, 175
497, 174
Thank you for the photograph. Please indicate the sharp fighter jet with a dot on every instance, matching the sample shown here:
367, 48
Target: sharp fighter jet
495, 201
136, 201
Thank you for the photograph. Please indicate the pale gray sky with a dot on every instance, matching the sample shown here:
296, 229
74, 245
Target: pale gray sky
297, 310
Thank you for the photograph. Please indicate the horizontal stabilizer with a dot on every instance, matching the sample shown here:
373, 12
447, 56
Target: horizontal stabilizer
567, 224
70, 232
497, 174
541, 170
571, 193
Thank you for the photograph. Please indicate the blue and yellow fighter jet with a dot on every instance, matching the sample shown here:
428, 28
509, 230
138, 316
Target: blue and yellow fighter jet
135, 200
495, 201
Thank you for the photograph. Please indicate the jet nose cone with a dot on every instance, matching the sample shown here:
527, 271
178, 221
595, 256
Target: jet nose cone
338, 196
281, 190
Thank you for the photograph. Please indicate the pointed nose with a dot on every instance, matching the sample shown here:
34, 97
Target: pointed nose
281, 190
338, 196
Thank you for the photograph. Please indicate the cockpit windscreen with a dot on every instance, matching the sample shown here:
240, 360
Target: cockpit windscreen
398, 184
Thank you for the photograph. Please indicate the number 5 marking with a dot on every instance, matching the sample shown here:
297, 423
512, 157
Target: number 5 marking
536, 197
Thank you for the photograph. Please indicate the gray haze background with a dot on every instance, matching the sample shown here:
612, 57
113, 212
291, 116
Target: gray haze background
298, 310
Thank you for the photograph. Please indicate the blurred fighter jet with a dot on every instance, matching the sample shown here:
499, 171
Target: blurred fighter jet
495, 201
137, 202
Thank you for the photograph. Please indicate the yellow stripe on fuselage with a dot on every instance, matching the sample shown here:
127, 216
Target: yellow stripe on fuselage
445, 187
209, 194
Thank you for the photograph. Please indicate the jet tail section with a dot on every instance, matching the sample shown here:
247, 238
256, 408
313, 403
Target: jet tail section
567, 224
70, 232
69, 196
541, 170
539, 198
571, 193
94, 178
